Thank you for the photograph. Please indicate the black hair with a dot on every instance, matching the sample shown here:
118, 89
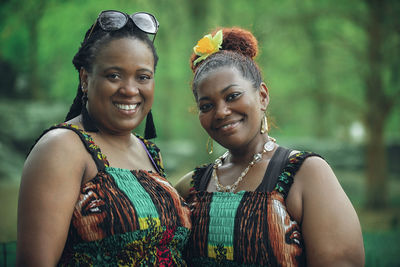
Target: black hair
86, 54
239, 47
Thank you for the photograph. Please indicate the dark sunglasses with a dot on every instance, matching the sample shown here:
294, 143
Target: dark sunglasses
113, 20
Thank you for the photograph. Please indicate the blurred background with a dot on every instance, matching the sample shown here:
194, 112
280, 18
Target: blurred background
332, 68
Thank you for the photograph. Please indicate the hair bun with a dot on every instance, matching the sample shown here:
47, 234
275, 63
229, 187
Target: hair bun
235, 39
240, 41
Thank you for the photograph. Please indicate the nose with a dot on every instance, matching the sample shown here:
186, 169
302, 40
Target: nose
222, 110
129, 88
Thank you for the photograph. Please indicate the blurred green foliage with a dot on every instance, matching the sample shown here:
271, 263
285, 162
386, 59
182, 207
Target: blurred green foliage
313, 55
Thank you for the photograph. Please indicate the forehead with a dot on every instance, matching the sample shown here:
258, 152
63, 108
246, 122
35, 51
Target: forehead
220, 78
125, 51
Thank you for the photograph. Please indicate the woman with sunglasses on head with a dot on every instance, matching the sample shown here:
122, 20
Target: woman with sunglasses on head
92, 193
259, 204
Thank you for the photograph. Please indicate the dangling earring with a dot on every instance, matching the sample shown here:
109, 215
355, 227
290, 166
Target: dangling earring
84, 98
150, 128
209, 145
87, 121
264, 125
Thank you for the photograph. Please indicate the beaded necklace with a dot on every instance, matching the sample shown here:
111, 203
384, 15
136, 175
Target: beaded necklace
268, 146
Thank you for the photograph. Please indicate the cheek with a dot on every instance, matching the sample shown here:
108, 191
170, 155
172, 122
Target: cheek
99, 90
149, 94
204, 121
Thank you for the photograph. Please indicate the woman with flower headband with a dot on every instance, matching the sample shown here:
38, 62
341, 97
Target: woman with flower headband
259, 204
82, 206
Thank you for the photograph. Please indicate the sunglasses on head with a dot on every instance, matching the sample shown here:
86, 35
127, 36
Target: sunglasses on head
113, 20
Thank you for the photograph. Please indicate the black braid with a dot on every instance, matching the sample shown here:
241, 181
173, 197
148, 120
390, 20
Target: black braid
76, 107
86, 54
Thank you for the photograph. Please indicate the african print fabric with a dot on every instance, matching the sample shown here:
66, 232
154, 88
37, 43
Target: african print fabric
245, 228
126, 217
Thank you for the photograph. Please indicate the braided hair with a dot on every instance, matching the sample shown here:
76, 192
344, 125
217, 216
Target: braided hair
239, 48
86, 55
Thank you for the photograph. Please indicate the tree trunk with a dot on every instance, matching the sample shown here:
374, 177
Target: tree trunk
377, 109
33, 14
376, 193
318, 87
33, 72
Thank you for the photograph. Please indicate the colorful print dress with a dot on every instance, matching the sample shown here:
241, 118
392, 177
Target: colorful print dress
126, 217
246, 228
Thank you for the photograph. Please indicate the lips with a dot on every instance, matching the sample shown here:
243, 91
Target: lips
126, 107
227, 126
91, 203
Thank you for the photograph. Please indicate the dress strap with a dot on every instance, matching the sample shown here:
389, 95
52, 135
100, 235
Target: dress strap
154, 154
285, 179
99, 158
278, 161
201, 177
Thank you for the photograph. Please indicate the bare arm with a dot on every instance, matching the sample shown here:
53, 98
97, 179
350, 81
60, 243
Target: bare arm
49, 188
330, 226
183, 185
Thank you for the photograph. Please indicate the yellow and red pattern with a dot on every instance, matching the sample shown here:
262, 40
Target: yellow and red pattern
112, 224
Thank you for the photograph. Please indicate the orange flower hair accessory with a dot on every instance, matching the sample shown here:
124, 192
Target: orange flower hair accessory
207, 45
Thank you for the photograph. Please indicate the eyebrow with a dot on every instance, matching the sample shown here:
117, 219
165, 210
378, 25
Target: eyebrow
121, 69
221, 92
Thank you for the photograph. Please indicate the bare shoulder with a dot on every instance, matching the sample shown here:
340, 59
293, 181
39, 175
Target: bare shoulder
59, 138
313, 170
58, 149
49, 189
184, 183
327, 214
315, 166
314, 176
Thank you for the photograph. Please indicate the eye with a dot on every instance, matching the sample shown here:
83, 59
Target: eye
114, 76
144, 77
205, 107
233, 96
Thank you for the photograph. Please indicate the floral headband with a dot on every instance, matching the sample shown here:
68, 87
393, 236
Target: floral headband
207, 45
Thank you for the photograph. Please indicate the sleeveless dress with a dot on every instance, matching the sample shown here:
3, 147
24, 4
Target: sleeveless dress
247, 228
126, 217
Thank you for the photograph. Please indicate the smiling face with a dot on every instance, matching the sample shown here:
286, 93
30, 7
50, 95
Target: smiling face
230, 108
120, 86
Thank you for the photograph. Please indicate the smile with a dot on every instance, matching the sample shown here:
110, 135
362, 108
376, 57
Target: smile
228, 126
126, 107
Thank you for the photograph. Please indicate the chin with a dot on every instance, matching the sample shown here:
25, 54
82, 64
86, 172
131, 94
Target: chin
125, 127
228, 143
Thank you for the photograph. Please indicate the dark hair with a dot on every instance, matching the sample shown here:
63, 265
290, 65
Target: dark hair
239, 48
89, 48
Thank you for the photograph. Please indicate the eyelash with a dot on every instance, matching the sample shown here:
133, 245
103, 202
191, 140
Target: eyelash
117, 76
231, 97
205, 107
144, 77
113, 76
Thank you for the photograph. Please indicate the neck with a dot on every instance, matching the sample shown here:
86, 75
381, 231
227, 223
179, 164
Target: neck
123, 140
245, 154
119, 140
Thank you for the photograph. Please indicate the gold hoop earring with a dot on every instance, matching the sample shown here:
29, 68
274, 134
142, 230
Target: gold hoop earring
210, 144
264, 125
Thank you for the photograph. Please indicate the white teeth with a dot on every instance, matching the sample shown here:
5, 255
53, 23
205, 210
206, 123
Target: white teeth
126, 107
228, 125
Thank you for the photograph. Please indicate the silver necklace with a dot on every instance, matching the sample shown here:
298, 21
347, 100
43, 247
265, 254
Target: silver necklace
268, 146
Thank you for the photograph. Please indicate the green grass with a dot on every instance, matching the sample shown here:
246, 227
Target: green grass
8, 210
382, 248
7, 254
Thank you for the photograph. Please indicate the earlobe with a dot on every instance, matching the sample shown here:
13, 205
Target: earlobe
264, 96
83, 77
